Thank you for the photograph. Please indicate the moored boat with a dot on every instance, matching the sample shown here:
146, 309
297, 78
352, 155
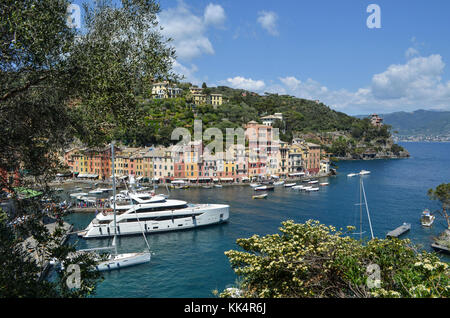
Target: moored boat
427, 218
260, 196
78, 194
154, 214
289, 185
322, 184
96, 191
265, 188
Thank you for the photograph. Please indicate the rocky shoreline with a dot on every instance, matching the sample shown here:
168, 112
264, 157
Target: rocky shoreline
376, 157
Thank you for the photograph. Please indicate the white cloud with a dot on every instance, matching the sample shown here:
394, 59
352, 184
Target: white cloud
214, 15
411, 52
246, 83
188, 30
187, 72
414, 79
410, 86
268, 21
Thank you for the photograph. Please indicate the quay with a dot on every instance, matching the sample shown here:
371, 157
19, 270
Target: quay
402, 229
87, 210
441, 248
190, 182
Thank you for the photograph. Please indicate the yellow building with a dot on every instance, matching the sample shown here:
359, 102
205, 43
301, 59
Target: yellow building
165, 90
200, 98
215, 99
192, 159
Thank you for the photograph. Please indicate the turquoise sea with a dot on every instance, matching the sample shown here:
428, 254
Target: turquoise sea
192, 263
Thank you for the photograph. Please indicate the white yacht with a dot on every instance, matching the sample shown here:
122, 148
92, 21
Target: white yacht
154, 213
427, 218
363, 172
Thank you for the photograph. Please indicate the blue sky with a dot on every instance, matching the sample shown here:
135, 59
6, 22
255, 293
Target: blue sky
318, 50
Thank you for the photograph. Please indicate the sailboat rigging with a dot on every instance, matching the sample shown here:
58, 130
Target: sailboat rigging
115, 260
362, 195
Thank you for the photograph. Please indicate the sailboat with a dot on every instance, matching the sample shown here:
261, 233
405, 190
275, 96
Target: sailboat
115, 260
362, 195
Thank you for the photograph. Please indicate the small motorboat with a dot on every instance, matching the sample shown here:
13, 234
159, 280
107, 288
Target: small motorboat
298, 187
217, 186
312, 189
260, 196
254, 185
427, 218
278, 183
363, 172
323, 184
313, 182
352, 174
96, 191
264, 188
289, 185
78, 194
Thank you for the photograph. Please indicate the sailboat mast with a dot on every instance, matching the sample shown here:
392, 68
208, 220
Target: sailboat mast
360, 208
114, 193
367, 209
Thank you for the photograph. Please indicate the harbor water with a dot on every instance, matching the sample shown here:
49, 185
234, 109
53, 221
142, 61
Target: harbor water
191, 263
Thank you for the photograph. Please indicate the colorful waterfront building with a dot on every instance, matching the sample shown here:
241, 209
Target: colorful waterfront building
90, 162
296, 155
163, 168
177, 153
312, 158
260, 138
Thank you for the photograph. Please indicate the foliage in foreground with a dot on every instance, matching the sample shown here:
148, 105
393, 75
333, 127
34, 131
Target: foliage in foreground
58, 84
442, 194
22, 275
314, 260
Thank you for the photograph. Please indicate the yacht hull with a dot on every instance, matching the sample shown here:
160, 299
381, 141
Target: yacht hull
200, 215
123, 260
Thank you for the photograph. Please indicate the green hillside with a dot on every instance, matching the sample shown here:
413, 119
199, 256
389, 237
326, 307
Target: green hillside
301, 117
419, 122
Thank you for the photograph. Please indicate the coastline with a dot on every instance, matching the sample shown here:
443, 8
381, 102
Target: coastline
190, 184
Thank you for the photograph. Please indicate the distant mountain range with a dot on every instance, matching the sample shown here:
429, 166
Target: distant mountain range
418, 123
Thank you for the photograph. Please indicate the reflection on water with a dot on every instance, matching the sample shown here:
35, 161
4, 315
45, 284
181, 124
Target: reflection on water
191, 263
